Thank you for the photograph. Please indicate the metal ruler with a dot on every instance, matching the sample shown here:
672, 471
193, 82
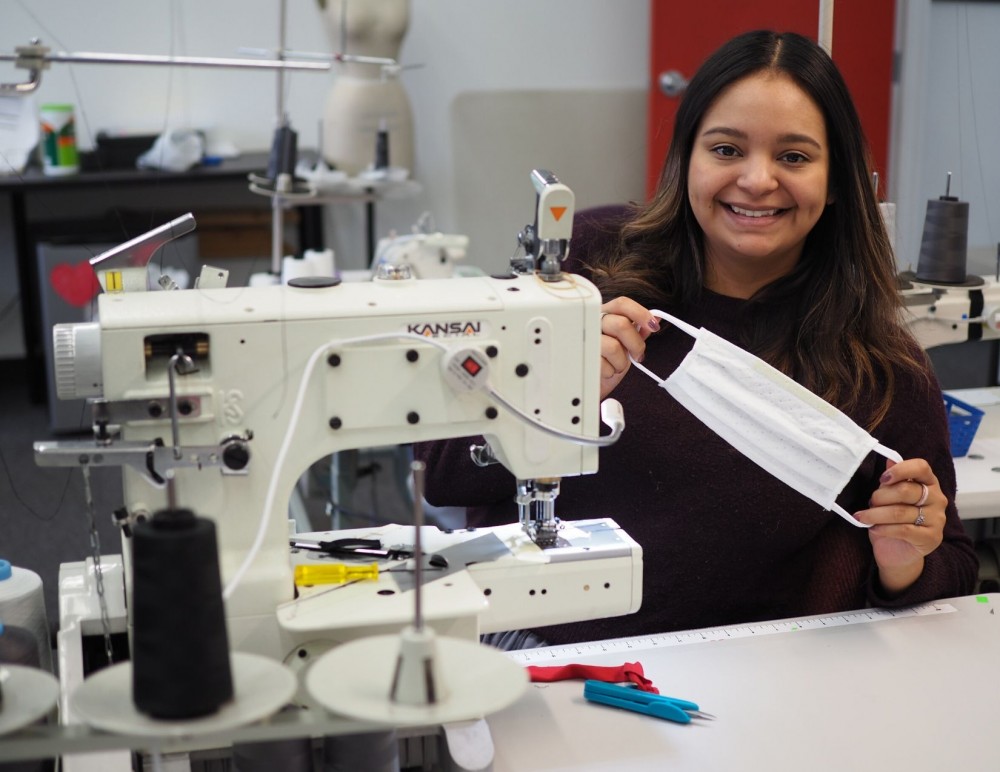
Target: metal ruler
756, 630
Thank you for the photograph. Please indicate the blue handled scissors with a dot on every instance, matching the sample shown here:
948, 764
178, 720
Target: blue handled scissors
631, 698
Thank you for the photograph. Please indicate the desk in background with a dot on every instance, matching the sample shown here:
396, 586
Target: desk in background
36, 205
911, 690
978, 472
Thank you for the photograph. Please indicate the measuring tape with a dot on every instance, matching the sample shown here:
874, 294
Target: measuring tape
532, 656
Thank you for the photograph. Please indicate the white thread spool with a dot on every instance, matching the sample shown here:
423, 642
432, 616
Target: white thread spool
312, 263
22, 604
889, 218
322, 261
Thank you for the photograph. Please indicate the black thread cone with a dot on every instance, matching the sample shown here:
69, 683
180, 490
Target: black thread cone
180, 652
944, 247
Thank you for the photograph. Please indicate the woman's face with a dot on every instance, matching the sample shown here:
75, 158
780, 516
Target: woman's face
758, 181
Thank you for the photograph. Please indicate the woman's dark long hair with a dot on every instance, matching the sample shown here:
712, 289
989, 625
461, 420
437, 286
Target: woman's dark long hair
833, 323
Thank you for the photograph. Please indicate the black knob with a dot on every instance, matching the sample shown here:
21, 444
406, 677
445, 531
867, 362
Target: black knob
236, 456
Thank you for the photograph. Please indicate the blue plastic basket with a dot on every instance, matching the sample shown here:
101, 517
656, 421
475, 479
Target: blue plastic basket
963, 420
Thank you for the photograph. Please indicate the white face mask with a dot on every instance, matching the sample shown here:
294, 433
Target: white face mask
777, 423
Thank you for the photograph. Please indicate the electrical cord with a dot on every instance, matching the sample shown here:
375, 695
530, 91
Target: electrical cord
611, 413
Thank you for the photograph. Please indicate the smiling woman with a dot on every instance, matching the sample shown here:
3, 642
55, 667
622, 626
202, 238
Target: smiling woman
764, 230
767, 123
759, 176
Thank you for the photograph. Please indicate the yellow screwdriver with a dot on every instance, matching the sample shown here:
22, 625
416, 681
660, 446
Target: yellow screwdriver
333, 573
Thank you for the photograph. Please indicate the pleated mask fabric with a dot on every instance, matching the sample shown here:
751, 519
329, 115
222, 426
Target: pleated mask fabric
780, 425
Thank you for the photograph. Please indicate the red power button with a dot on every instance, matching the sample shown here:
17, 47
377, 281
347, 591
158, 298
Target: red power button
471, 366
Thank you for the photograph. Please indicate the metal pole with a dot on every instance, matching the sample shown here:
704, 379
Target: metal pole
825, 35
277, 205
87, 57
418, 468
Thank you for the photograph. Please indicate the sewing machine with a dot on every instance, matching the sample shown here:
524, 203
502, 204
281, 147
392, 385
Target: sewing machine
939, 314
218, 399
429, 255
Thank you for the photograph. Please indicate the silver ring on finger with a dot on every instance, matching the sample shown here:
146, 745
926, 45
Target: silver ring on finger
920, 516
924, 493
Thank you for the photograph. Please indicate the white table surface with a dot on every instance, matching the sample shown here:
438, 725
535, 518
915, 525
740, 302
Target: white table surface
978, 473
903, 692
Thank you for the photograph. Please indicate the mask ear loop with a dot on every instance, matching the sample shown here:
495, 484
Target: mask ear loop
689, 329
882, 450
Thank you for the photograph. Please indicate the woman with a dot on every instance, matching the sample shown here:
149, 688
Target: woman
765, 230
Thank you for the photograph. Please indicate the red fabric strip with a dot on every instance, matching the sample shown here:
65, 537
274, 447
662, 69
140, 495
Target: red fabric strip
630, 671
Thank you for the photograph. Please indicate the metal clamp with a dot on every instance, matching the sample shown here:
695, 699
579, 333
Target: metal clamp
33, 59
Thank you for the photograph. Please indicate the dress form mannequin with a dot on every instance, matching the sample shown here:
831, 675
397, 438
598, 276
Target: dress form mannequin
363, 96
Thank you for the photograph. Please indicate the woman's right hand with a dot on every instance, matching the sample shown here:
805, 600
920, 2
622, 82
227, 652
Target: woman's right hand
625, 325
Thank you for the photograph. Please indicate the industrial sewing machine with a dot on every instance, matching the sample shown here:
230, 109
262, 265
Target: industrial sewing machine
943, 303
430, 255
938, 314
217, 399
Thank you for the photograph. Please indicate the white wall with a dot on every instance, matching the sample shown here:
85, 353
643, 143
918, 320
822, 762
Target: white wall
474, 46
947, 118
462, 45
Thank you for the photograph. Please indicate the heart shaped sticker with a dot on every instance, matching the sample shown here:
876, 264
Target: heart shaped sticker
76, 284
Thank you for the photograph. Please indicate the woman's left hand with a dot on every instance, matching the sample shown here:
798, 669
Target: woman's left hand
907, 515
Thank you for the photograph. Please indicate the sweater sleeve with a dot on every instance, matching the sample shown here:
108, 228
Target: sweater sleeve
453, 480
917, 427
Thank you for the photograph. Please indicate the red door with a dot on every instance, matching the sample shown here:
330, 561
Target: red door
684, 34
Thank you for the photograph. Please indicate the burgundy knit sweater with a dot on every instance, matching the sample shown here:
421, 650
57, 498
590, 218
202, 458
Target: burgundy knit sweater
723, 541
